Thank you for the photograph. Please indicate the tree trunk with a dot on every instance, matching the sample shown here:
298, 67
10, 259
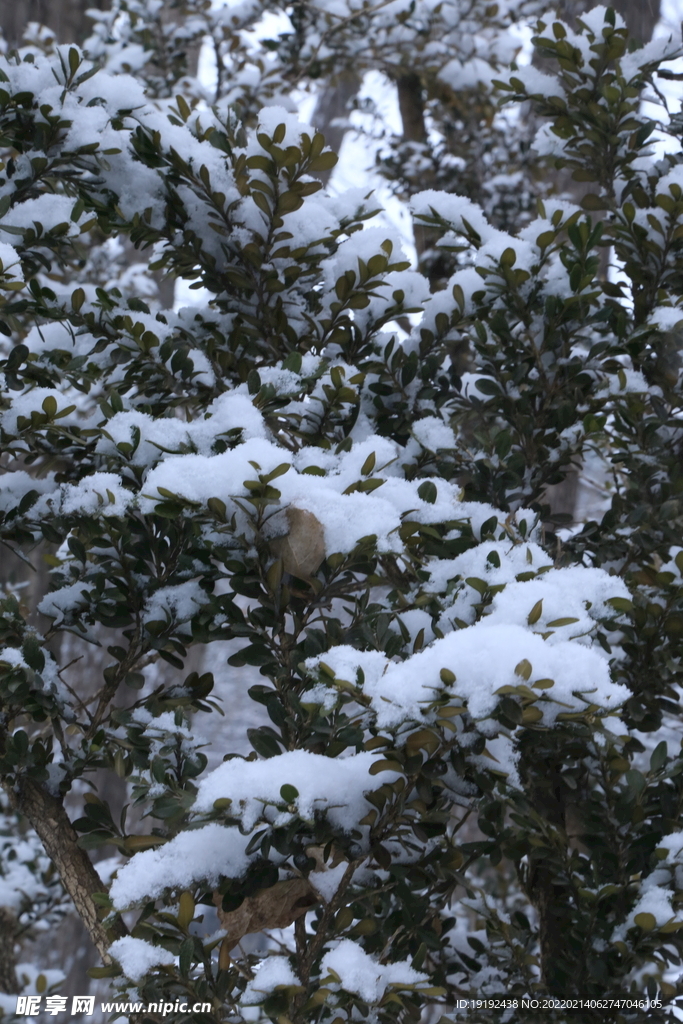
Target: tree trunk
51, 822
66, 18
640, 16
8, 962
412, 110
332, 111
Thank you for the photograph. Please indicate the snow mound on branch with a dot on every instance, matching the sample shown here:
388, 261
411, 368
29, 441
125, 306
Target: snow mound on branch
273, 972
400, 691
137, 957
202, 854
568, 602
537, 632
334, 785
346, 518
358, 972
155, 436
14, 485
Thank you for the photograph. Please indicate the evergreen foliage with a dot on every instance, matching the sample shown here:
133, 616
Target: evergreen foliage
470, 783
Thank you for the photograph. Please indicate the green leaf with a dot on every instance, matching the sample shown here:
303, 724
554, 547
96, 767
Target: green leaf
280, 470
509, 258
186, 955
264, 743
659, 756
112, 971
185, 909
134, 844
535, 614
369, 464
293, 362
635, 781
325, 162
594, 202
427, 491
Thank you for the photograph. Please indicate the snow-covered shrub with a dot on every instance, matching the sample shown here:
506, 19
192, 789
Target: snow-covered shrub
450, 797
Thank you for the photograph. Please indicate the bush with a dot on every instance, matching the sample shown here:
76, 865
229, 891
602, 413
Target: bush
465, 788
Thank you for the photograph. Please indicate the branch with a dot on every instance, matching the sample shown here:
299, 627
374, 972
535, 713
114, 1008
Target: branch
48, 817
8, 961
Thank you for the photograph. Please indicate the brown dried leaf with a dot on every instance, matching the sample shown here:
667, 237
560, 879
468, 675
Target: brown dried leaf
276, 907
302, 550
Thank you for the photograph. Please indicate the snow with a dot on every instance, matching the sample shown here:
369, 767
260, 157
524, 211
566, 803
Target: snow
547, 143
270, 118
362, 974
19, 881
433, 434
654, 899
28, 974
138, 957
345, 518
465, 217
58, 336
272, 973
229, 412
14, 485
200, 477
203, 854
99, 494
575, 592
327, 882
415, 620
557, 650
537, 83
461, 75
177, 603
32, 401
659, 49
666, 318
9, 260
453, 209
333, 785
12, 656
47, 209
495, 562
594, 19
69, 599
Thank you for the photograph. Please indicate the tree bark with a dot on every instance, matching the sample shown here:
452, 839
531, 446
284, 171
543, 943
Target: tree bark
8, 962
332, 110
412, 110
66, 18
80, 879
640, 16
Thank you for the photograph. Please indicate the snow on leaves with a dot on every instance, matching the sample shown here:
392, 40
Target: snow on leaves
295, 468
